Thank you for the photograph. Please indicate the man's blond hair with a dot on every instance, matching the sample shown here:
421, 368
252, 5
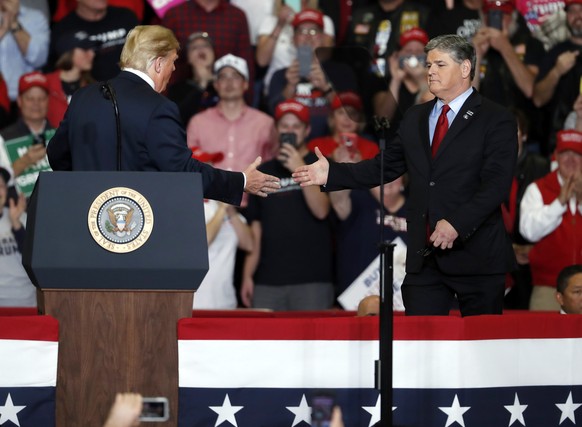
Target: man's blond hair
144, 44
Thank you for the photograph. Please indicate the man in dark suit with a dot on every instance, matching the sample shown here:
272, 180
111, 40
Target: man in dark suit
457, 242
152, 137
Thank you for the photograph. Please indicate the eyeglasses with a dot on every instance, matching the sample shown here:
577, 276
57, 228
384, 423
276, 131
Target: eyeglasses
309, 32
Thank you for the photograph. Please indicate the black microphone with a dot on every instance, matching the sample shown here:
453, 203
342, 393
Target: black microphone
109, 94
105, 91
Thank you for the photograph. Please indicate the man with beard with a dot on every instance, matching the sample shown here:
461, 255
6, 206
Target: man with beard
558, 82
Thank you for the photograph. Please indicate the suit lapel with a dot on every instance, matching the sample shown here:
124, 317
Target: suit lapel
468, 112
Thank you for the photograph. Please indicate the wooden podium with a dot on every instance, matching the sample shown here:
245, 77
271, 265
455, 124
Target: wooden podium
117, 311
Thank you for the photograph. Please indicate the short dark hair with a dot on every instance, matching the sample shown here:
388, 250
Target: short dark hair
456, 46
565, 275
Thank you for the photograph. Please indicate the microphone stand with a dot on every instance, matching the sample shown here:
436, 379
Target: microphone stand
109, 93
384, 365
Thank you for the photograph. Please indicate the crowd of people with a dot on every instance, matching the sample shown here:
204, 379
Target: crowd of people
263, 79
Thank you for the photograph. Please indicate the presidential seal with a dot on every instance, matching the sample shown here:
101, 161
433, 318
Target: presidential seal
120, 220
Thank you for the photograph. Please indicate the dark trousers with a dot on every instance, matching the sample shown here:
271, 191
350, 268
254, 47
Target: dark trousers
432, 293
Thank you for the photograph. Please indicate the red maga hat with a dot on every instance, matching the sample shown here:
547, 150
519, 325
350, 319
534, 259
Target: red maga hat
414, 34
569, 140
308, 15
34, 79
347, 99
293, 107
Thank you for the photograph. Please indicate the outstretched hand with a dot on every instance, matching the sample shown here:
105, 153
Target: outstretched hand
258, 183
313, 174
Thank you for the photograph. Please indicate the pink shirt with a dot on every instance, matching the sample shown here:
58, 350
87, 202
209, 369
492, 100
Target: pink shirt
252, 134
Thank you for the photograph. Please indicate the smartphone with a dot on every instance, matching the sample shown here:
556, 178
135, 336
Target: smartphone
288, 138
495, 19
155, 409
39, 139
293, 4
304, 56
321, 410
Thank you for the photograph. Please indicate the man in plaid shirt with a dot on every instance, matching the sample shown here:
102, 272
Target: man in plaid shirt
225, 23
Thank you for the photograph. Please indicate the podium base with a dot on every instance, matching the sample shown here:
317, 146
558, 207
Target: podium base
114, 341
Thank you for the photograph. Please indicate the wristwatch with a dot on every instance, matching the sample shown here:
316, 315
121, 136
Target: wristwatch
16, 27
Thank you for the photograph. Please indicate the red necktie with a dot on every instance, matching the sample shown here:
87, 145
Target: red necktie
441, 129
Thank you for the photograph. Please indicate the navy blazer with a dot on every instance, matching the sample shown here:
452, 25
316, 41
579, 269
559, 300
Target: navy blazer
465, 184
153, 138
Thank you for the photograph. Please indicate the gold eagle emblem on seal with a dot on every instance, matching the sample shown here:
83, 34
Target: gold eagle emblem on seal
120, 220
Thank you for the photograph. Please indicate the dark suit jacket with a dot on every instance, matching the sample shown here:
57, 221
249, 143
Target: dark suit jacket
153, 138
465, 184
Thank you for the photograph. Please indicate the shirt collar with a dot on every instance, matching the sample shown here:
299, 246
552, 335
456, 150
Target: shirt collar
455, 104
242, 113
143, 75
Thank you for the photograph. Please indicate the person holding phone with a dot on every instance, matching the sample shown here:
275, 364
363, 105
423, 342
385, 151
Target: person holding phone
307, 79
346, 122
275, 48
290, 267
407, 78
508, 60
32, 103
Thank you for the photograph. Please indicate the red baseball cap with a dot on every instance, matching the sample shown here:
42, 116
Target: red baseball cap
569, 140
506, 6
414, 34
205, 157
34, 79
294, 107
347, 99
308, 15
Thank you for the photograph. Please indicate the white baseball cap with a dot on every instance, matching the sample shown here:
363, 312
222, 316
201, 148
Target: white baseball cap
239, 64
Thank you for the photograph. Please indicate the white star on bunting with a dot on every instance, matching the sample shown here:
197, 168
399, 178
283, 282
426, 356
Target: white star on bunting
455, 412
516, 411
226, 412
9, 412
568, 408
301, 412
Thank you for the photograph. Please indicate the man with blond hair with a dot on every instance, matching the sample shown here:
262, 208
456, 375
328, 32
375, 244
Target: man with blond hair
152, 137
